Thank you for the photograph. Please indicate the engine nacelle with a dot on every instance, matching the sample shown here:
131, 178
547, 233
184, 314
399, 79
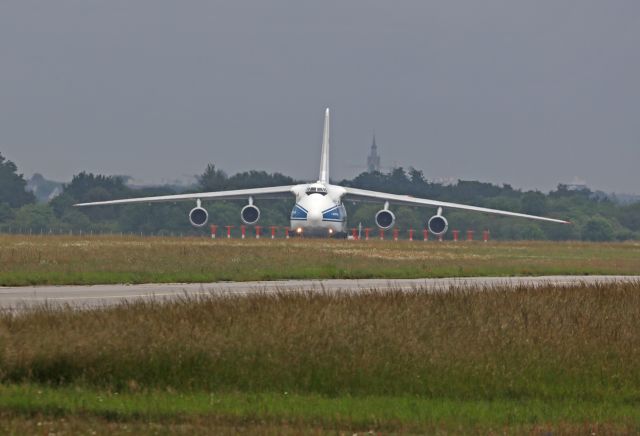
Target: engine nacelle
198, 216
438, 225
250, 214
385, 219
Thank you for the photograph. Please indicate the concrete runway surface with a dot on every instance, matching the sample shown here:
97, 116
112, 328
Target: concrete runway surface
17, 298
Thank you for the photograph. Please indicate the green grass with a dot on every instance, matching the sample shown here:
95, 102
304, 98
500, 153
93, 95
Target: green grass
59, 260
465, 360
380, 413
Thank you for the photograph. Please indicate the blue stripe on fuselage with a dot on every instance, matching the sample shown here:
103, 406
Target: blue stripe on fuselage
299, 213
334, 214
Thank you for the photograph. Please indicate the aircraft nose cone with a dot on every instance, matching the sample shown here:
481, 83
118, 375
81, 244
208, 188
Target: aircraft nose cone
315, 216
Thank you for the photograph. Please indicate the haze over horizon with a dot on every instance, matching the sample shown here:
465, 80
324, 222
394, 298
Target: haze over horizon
530, 94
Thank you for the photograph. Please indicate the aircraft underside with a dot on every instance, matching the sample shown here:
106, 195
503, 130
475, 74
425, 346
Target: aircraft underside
317, 232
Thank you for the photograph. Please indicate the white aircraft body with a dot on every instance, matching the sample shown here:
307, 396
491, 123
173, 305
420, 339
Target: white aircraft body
319, 208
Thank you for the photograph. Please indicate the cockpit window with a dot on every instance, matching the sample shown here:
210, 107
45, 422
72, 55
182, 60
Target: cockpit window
316, 190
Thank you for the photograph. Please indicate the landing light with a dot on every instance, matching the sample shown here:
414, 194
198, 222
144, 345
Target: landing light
331, 231
299, 230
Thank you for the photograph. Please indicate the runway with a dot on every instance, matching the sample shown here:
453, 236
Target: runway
17, 298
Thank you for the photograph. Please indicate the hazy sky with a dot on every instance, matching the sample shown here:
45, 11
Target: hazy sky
530, 93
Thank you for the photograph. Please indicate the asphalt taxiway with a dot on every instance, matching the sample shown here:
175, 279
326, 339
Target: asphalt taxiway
16, 298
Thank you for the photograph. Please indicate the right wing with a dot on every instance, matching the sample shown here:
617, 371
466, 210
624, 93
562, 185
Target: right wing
354, 194
273, 192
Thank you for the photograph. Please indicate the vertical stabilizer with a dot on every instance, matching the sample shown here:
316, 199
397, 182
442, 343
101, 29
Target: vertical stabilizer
324, 159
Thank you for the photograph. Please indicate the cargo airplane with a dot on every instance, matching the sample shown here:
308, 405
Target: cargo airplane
319, 208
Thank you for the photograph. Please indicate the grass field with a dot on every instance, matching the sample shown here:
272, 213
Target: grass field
478, 361
33, 260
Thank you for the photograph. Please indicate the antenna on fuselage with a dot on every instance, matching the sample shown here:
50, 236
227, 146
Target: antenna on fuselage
324, 158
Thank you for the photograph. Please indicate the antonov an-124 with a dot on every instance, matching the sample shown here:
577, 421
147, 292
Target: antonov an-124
319, 209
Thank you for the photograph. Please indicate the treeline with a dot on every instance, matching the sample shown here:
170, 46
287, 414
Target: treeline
594, 217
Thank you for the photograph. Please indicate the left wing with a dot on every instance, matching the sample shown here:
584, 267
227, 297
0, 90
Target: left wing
355, 194
238, 194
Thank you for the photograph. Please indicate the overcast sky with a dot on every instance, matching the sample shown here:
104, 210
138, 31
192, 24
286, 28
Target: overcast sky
530, 93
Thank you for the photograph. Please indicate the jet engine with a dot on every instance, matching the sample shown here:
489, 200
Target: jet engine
385, 219
438, 225
250, 214
198, 216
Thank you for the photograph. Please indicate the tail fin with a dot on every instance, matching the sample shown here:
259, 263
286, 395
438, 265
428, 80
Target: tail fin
324, 159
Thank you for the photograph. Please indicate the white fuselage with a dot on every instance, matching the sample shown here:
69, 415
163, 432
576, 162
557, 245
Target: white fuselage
319, 210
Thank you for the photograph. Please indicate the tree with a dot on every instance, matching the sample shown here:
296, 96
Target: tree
76, 220
362, 213
212, 179
398, 178
13, 186
407, 218
36, 217
6, 213
598, 229
520, 230
534, 203
629, 216
256, 179
595, 217
86, 187
416, 176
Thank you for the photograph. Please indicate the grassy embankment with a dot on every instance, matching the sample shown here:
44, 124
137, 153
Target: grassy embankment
465, 361
74, 260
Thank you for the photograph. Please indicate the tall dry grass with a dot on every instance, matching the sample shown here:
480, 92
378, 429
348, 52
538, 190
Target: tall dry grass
581, 342
28, 260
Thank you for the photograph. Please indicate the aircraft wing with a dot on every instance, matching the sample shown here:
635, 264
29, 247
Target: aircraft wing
354, 194
238, 194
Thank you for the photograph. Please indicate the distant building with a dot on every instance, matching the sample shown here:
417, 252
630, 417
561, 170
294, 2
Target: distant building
577, 185
373, 160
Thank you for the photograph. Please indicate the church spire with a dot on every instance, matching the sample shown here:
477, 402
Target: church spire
373, 160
